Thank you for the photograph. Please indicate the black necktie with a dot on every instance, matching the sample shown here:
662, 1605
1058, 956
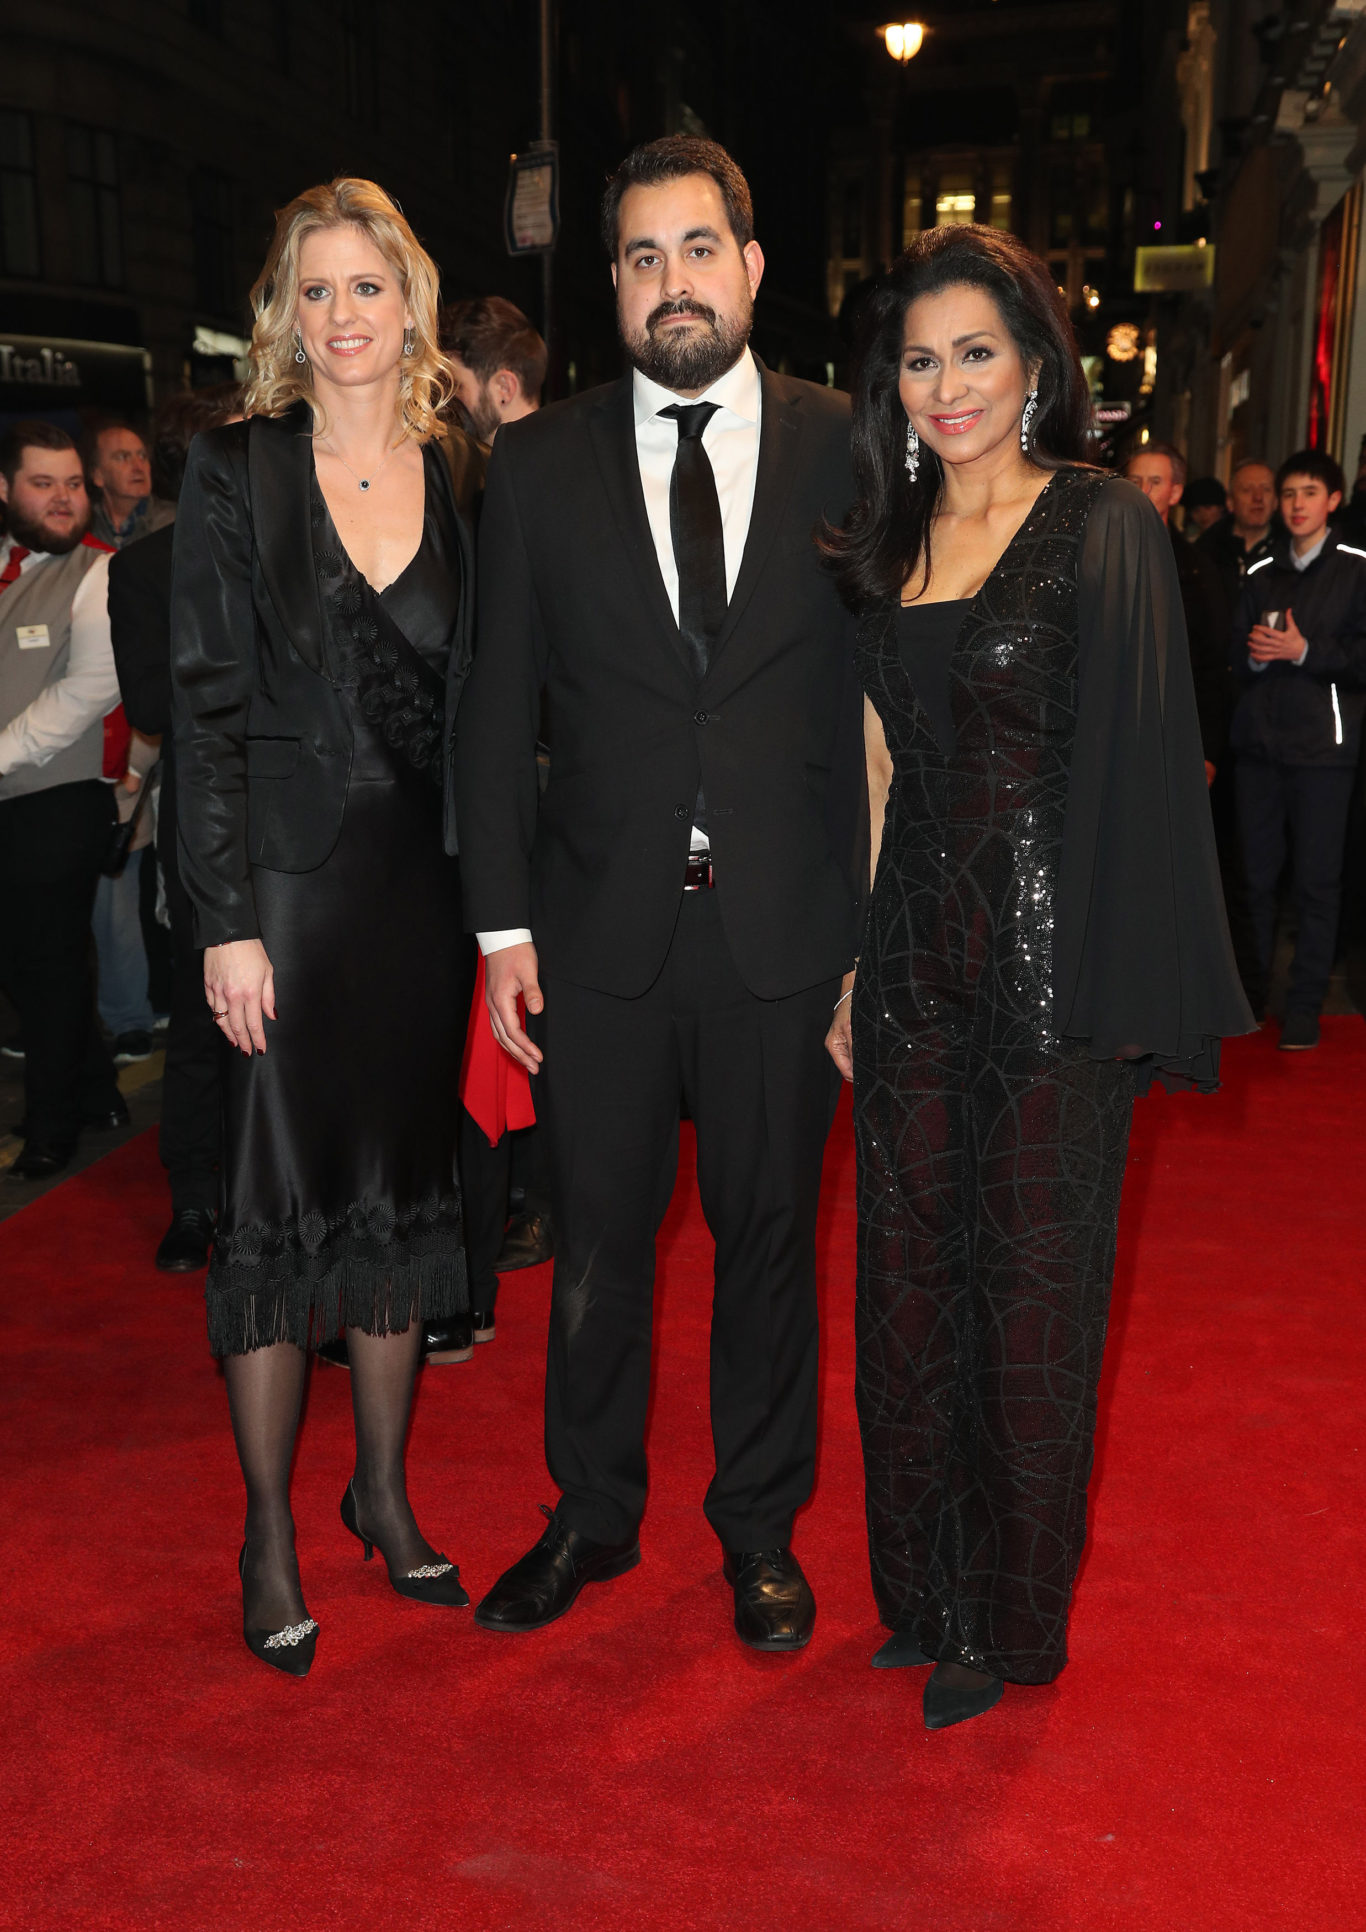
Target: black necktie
695, 524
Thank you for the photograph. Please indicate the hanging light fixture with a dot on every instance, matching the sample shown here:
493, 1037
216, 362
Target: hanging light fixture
903, 39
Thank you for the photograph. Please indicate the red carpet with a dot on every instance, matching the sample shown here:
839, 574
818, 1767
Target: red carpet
1199, 1766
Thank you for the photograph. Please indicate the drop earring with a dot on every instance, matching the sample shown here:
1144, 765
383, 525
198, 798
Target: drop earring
409, 341
299, 355
1031, 404
912, 452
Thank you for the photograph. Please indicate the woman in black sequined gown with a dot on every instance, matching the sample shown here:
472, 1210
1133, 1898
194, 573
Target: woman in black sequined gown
320, 634
1036, 945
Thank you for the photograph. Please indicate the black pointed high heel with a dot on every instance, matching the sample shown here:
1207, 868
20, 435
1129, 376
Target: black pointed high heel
947, 1704
437, 1583
291, 1649
900, 1652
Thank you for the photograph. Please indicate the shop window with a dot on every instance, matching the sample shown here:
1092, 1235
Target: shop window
92, 196
956, 201
212, 240
1002, 194
911, 216
18, 197
1071, 127
1060, 212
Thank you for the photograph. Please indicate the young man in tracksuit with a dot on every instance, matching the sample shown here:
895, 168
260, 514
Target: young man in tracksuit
1299, 655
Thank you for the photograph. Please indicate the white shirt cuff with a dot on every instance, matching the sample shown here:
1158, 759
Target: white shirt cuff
494, 942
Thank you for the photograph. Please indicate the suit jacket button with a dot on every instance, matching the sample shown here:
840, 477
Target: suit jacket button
681, 811
700, 717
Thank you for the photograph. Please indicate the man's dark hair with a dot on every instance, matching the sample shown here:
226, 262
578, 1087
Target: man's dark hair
670, 159
1316, 463
1205, 493
179, 419
489, 334
1172, 454
34, 434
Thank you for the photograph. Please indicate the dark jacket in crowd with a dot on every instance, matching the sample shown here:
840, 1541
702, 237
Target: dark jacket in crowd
1224, 549
1208, 612
1310, 713
140, 625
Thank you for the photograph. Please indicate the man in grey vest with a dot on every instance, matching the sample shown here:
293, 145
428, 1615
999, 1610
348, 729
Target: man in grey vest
57, 682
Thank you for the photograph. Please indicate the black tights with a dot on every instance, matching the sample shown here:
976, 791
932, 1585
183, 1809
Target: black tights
265, 1390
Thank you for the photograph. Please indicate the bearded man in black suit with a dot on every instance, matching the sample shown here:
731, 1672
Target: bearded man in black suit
677, 911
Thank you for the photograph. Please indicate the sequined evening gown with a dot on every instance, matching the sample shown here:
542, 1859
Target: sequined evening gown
991, 1152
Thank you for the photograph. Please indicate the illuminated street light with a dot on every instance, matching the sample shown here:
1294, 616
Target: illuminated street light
1091, 296
903, 40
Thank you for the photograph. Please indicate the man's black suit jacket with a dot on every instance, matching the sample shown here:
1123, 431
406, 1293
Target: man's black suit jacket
572, 604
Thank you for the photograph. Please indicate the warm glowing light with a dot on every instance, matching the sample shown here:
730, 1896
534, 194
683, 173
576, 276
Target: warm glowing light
1091, 296
1122, 343
903, 40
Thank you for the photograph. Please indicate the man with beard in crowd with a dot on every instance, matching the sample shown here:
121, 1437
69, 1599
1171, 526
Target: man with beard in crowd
679, 911
57, 682
498, 361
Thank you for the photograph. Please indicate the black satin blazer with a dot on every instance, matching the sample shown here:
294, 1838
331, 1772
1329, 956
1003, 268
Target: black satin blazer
263, 739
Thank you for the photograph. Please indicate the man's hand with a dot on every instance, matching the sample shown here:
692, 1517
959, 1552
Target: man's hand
839, 1041
509, 972
239, 984
1266, 646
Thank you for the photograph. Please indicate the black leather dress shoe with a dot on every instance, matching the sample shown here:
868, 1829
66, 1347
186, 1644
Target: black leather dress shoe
186, 1243
774, 1607
41, 1159
450, 1341
529, 1241
481, 1322
545, 1582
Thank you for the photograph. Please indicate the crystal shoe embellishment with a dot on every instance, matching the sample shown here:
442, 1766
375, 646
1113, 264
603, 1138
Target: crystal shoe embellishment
428, 1569
293, 1633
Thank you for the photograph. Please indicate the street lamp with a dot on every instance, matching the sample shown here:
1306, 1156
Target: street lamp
903, 40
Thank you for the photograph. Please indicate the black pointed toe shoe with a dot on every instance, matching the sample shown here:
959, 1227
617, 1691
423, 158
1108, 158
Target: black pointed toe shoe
546, 1582
774, 1607
437, 1582
289, 1650
947, 1704
186, 1244
900, 1652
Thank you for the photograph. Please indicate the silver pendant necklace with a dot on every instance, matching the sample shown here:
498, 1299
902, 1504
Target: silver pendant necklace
362, 482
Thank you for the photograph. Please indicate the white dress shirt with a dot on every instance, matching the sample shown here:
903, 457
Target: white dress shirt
731, 440
89, 688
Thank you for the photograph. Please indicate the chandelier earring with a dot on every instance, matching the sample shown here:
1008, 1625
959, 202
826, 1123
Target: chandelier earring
409, 341
299, 355
1031, 404
912, 452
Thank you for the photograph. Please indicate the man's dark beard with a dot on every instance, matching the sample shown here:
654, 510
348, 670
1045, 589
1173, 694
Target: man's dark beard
36, 535
693, 359
483, 413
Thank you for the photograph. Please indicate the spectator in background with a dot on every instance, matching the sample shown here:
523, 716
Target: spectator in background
1243, 538
121, 484
1159, 470
57, 683
1300, 657
1204, 502
140, 624
498, 359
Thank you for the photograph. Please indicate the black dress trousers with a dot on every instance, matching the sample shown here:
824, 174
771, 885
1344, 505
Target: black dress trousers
761, 1092
51, 847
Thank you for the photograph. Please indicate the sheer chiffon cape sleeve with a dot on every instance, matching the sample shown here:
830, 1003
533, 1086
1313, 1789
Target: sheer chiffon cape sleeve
1143, 963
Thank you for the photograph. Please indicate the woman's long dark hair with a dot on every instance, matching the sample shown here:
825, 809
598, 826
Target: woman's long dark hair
887, 532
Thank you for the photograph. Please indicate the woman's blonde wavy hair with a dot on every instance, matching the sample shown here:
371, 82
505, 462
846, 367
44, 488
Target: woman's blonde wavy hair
277, 380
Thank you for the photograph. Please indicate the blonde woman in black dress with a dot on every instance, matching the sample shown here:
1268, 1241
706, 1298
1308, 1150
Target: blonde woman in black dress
1045, 934
320, 637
